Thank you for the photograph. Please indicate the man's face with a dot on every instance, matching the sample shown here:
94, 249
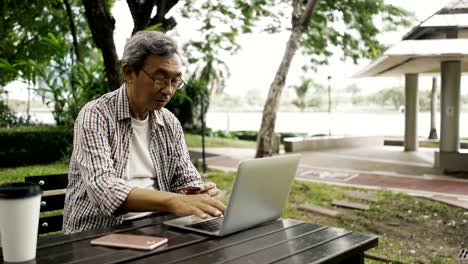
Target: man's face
144, 93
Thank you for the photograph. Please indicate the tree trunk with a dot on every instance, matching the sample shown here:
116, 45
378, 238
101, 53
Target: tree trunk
141, 14
433, 132
300, 23
102, 26
72, 29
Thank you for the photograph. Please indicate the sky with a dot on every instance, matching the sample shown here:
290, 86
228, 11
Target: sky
255, 65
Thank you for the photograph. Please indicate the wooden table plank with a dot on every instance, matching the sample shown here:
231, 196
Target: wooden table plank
251, 246
181, 241
54, 240
285, 241
336, 251
172, 245
278, 251
81, 249
218, 243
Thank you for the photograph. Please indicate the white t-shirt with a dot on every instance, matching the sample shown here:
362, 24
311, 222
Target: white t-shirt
140, 170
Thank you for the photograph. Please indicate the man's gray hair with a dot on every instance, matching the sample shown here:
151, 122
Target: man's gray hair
145, 43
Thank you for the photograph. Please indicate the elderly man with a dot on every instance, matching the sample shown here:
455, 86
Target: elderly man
129, 157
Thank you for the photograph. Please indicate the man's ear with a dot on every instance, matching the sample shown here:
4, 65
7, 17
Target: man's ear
128, 73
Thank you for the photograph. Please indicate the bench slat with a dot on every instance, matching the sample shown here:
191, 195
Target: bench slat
50, 182
52, 202
50, 224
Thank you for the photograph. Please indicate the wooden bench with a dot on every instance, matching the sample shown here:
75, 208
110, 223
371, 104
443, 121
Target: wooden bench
53, 198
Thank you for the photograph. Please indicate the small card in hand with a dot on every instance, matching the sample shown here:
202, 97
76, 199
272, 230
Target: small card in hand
189, 190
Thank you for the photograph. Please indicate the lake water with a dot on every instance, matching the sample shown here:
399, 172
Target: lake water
385, 124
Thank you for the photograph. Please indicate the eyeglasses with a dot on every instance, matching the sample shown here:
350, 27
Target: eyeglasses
161, 83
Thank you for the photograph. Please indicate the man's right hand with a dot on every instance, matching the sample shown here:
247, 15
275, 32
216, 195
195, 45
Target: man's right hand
201, 205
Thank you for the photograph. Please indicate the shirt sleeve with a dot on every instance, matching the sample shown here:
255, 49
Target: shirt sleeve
185, 172
106, 191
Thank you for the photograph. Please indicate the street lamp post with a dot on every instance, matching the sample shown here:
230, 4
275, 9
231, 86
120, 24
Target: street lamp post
203, 132
329, 105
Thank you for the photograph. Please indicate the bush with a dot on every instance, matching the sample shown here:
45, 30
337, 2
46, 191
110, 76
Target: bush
29, 145
186, 105
252, 135
246, 135
8, 117
222, 134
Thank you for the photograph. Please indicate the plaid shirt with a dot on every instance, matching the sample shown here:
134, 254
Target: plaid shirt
96, 186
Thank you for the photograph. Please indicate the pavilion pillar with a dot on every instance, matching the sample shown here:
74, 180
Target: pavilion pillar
411, 112
450, 108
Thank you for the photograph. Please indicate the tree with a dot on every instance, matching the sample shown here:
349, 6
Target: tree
185, 104
222, 22
27, 71
355, 91
301, 19
391, 96
395, 96
24, 23
433, 131
357, 40
141, 14
67, 85
102, 26
220, 26
424, 100
60, 59
71, 21
204, 52
301, 92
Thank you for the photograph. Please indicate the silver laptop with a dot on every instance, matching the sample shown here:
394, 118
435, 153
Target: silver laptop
259, 194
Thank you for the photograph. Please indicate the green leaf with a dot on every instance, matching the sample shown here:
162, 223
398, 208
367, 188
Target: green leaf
156, 27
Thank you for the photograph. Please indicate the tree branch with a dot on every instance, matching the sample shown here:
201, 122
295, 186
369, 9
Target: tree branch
141, 13
133, 6
163, 7
309, 9
102, 26
73, 29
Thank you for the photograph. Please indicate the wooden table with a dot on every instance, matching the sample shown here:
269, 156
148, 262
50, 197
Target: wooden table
282, 241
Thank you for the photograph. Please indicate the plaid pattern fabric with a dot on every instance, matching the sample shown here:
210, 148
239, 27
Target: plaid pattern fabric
97, 189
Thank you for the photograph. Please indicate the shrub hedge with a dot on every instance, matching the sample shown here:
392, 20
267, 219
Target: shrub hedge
27, 145
251, 135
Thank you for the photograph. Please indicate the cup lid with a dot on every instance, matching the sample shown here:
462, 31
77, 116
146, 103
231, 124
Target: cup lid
15, 190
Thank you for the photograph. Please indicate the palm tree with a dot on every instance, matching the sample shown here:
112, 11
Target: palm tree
301, 92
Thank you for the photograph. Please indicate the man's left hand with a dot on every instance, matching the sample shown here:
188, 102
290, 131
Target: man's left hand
210, 189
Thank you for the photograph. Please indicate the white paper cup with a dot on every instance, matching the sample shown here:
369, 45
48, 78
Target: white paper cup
19, 220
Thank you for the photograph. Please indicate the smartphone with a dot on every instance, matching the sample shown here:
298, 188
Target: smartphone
189, 189
130, 241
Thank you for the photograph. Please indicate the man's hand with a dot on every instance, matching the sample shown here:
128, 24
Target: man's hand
201, 205
210, 189
207, 188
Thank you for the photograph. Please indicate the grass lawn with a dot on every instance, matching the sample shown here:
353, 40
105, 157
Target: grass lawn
410, 229
18, 174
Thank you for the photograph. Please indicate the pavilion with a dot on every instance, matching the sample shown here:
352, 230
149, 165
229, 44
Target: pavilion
439, 45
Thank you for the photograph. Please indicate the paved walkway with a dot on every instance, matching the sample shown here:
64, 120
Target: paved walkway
383, 168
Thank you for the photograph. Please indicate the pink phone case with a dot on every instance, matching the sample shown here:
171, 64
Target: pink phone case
130, 241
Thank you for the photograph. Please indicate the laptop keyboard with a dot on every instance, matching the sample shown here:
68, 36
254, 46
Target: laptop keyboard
212, 225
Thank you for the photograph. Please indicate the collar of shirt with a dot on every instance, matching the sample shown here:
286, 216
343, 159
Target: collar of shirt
123, 108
